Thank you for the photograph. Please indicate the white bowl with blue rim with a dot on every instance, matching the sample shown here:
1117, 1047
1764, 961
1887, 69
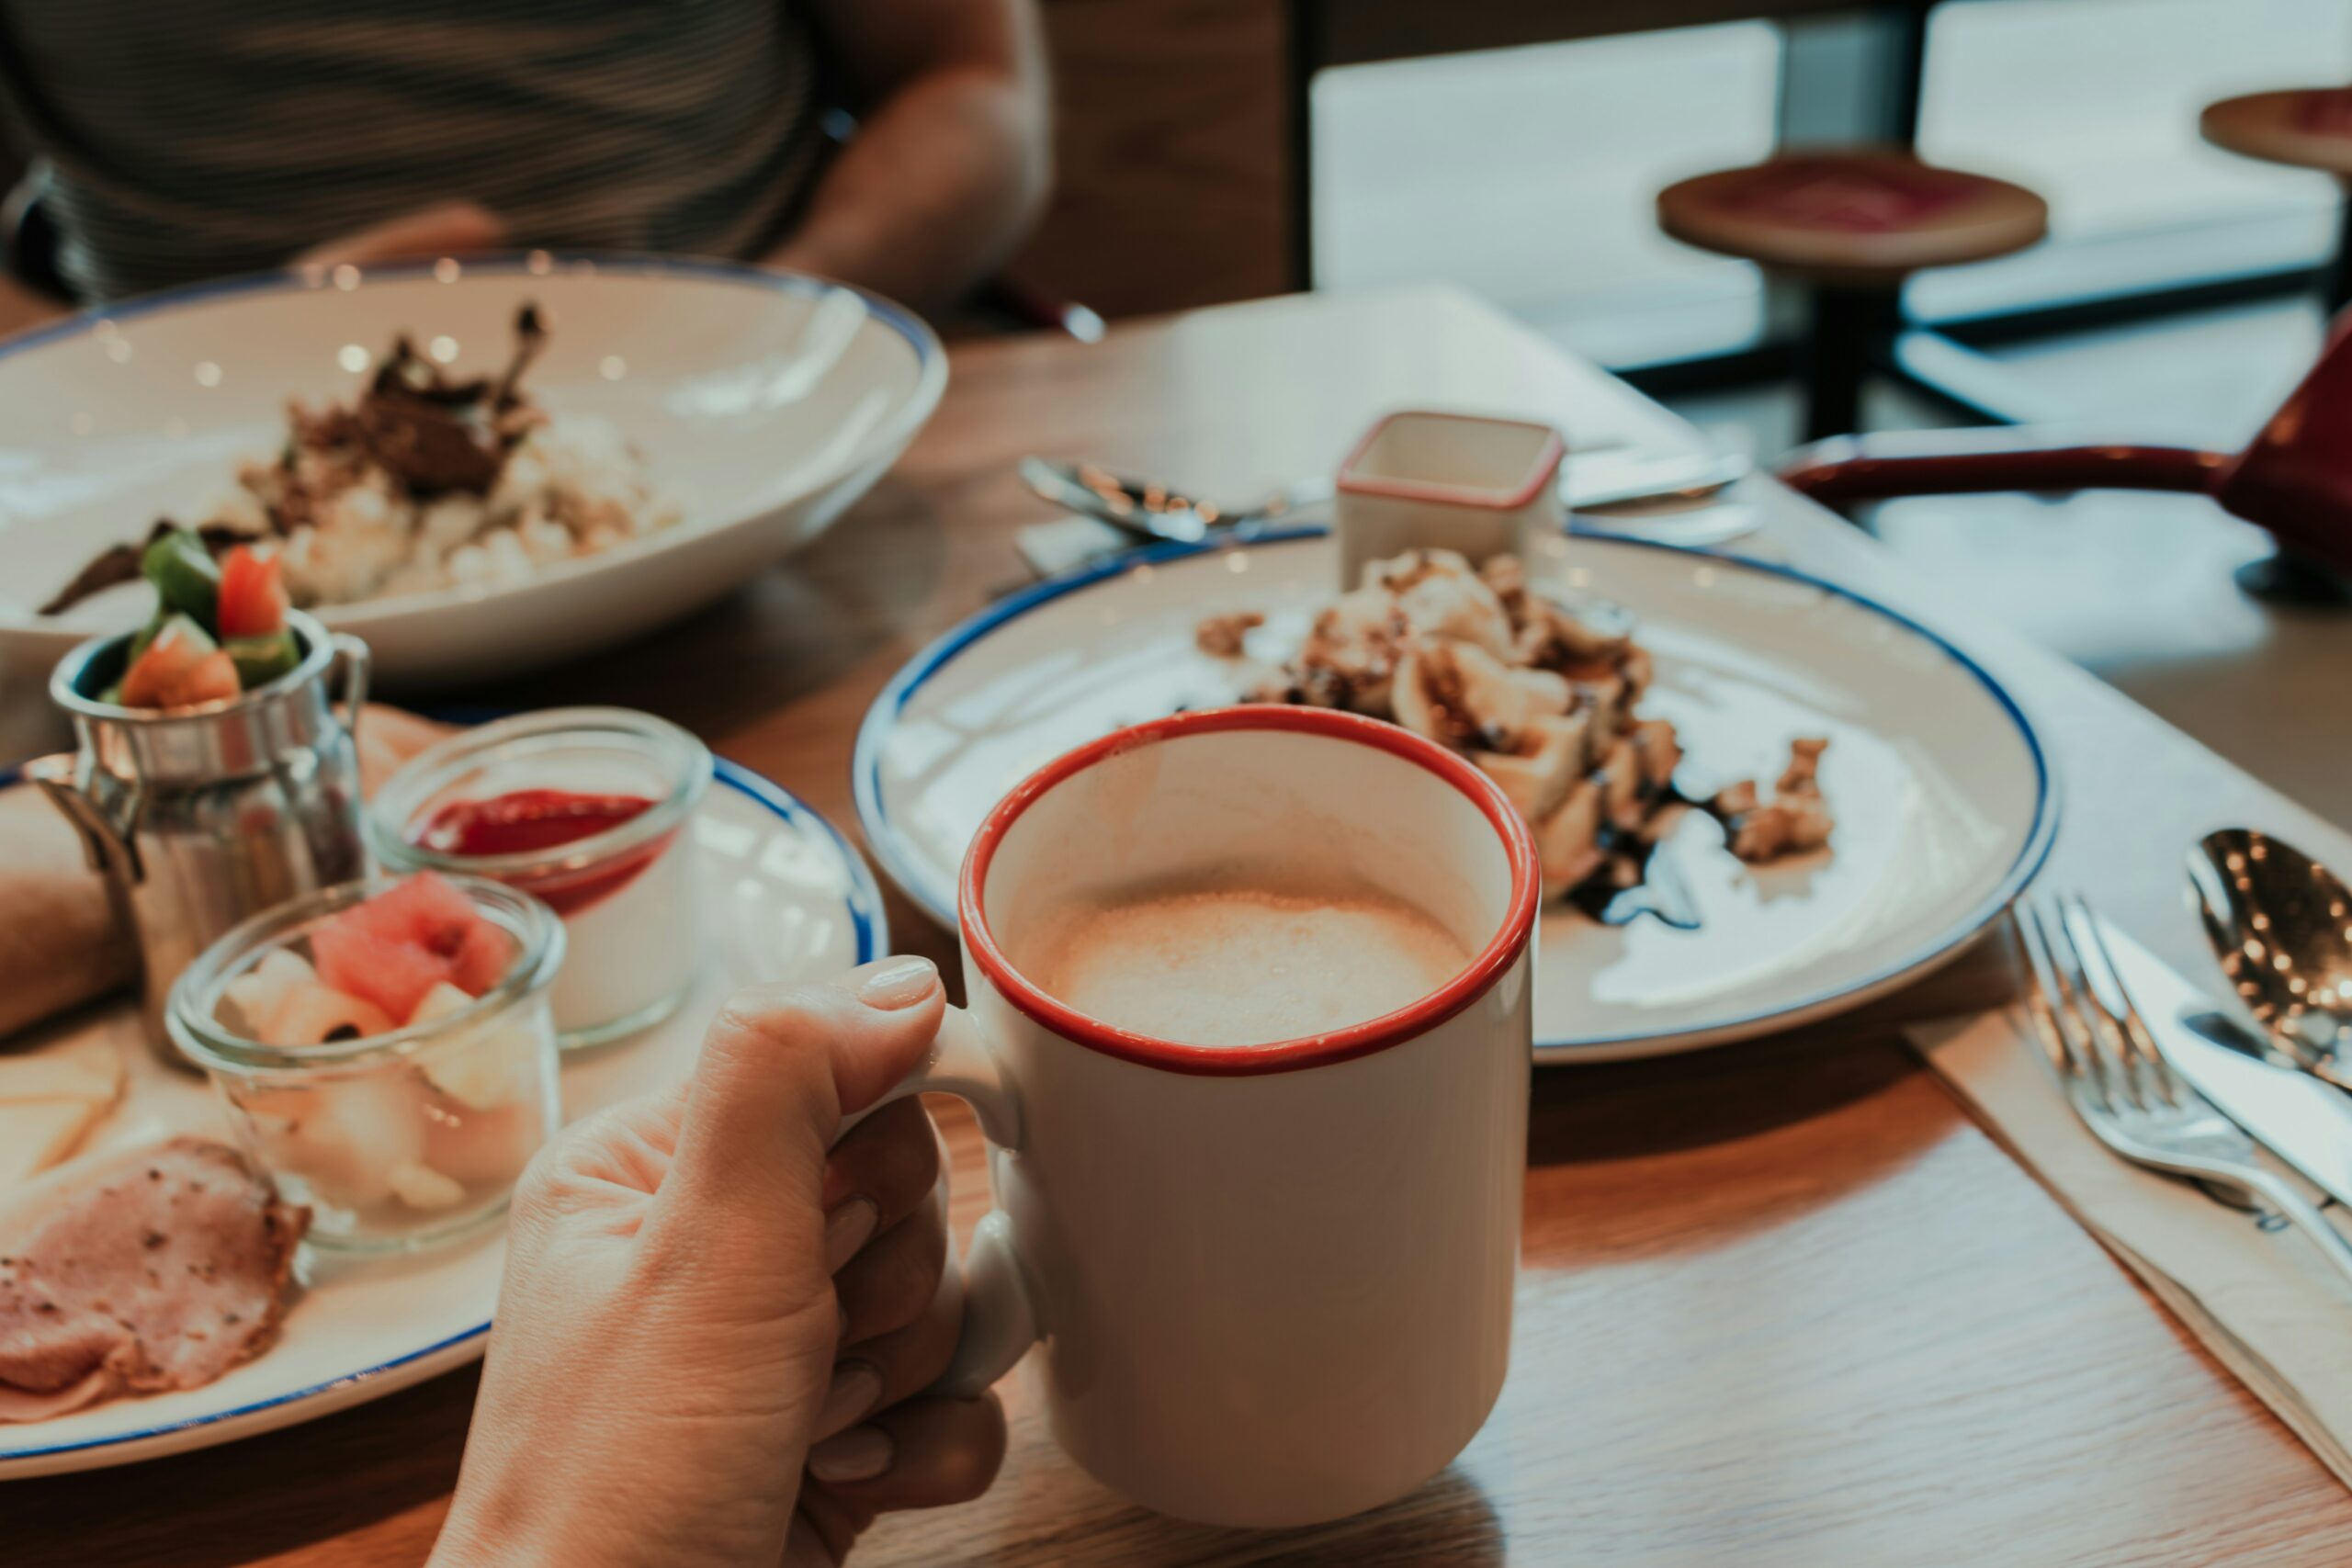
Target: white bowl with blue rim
786, 898
1944, 798
764, 402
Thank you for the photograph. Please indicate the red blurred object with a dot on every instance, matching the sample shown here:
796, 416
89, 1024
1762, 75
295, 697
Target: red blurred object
525, 821
2327, 113
1832, 192
2295, 481
253, 593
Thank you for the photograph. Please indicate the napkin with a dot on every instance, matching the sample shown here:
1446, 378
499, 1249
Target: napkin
2257, 1294
1068, 543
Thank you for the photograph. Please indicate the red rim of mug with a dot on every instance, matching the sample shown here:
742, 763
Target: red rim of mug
1408, 1022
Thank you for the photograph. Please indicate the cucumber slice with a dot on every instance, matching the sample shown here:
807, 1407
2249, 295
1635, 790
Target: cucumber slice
146, 636
184, 573
183, 628
261, 659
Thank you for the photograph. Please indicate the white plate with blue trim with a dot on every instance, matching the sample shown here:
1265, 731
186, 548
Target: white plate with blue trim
786, 897
763, 403
1944, 799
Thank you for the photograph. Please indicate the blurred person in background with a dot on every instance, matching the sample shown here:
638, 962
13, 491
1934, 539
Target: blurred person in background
167, 143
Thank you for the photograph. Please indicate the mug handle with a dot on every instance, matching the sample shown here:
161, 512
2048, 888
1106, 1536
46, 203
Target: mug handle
1000, 1312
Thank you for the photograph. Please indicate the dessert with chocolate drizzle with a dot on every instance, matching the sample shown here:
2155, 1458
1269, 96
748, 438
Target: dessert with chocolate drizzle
1543, 695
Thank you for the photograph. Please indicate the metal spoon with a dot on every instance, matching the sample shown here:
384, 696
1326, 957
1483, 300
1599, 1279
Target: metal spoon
1150, 510
2281, 925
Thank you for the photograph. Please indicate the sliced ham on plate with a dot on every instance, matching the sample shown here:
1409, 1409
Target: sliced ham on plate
158, 1268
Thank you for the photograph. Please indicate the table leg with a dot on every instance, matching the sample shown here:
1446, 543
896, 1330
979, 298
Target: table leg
2338, 279
1850, 326
1907, 69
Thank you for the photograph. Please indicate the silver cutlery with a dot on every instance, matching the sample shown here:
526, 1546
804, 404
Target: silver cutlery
1601, 478
2304, 1122
2281, 925
2121, 1086
1151, 509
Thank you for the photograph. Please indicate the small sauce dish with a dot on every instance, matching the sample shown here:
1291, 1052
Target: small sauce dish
587, 810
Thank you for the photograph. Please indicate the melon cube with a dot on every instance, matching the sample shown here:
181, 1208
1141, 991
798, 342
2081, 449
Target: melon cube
481, 958
258, 992
312, 1014
424, 910
393, 975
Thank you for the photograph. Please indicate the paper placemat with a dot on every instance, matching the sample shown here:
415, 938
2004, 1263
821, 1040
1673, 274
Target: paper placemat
2251, 1290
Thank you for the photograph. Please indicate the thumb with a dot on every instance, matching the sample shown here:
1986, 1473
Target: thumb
451, 228
778, 1069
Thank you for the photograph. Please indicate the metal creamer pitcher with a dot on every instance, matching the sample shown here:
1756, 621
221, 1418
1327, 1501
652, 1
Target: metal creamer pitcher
200, 817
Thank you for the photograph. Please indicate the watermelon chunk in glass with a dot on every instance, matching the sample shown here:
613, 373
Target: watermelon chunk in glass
424, 910
483, 958
393, 975
394, 949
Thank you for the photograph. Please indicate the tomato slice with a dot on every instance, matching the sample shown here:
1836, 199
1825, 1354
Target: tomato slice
180, 668
253, 593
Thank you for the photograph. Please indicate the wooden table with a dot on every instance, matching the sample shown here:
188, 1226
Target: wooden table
1782, 1302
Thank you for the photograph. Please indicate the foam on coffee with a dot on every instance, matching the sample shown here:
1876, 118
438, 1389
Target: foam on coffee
1239, 964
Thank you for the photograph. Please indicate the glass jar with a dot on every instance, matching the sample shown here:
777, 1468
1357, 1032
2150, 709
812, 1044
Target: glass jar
401, 1140
587, 810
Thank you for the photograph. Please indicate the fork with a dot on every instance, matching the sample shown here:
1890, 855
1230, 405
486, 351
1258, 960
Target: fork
2121, 1087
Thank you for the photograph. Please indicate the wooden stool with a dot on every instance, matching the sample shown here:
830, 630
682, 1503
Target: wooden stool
2308, 128
1850, 224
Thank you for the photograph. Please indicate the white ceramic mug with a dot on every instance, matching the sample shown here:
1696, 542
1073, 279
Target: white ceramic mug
1273, 1283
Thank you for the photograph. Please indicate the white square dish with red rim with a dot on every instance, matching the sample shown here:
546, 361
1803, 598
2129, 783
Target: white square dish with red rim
1424, 479
583, 809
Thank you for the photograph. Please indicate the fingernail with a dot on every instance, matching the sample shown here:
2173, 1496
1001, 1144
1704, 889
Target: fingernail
855, 1386
847, 1228
859, 1454
899, 983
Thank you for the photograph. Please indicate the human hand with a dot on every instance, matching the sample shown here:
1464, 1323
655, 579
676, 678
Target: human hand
702, 1297
21, 309
449, 229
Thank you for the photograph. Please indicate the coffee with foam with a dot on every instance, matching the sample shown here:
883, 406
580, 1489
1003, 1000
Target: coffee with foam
1238, 963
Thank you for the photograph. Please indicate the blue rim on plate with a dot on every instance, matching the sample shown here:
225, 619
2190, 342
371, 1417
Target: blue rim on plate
891, 849
542, 262
867, 918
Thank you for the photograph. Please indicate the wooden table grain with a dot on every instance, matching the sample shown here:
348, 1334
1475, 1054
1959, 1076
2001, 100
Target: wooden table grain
1782, 1302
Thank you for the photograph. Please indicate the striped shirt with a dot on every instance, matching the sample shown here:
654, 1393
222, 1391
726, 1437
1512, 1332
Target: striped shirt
190, 139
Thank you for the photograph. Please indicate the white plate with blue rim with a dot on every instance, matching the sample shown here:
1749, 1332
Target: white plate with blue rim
786, 897
761, 403
1943, 794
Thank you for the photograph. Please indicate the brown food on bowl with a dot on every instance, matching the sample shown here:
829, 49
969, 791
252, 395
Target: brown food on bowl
1795, 822
1221, 636
1540, 692
1544, 694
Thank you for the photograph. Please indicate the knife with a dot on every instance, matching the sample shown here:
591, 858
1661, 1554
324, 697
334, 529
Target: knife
1600, 476
2304, 1122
